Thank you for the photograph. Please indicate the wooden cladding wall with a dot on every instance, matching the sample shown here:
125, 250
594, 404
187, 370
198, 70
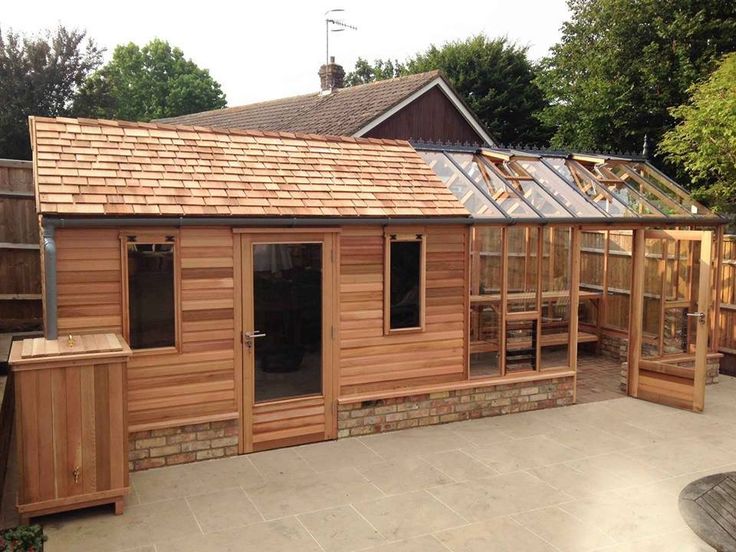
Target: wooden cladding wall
20, 264
195, 383
430, 117
370, 360
89, 281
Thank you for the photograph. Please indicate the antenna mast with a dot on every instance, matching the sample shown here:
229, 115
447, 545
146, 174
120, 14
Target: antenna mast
334, 26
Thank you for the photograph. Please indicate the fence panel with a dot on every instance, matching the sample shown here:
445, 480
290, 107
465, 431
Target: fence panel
20, 263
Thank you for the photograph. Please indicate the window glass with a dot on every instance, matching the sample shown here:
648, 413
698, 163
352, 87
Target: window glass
522, 266
485, 323
501, 193
461, 187
556, 262
151, 310
588, 185
534, 193
660, 201
561, 190
620, 249
405, 293
287, 316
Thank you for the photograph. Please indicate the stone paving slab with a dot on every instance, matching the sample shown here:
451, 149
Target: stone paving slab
522, 482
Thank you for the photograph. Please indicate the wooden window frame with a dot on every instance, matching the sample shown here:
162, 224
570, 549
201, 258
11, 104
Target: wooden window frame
404, 235
146, 236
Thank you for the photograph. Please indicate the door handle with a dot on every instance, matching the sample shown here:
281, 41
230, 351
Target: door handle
248, 337
699, 315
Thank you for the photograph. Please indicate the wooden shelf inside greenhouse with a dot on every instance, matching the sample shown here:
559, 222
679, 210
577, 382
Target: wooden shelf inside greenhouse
548, 340
546, 296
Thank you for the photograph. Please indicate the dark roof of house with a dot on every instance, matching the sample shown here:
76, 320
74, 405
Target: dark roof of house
343, 112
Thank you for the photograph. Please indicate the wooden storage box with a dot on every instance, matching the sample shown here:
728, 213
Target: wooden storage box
71, 422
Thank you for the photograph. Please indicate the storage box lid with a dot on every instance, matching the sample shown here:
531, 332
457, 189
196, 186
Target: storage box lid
39, 348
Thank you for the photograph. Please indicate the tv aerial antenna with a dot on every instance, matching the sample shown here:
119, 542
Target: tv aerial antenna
334, 25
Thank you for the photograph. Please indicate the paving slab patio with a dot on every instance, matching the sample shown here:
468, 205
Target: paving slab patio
522, 482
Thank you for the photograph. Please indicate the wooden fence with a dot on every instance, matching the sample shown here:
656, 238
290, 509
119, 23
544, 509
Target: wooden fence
20, 264
727, 315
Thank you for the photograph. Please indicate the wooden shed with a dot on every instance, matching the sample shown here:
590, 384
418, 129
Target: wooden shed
278, 288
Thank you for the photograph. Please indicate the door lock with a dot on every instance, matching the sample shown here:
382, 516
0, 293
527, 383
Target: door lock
249, 337
699, 315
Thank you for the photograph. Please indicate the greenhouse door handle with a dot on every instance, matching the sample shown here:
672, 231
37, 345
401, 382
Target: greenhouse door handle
699, 315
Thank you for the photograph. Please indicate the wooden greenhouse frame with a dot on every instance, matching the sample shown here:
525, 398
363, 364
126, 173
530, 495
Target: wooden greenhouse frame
625, 207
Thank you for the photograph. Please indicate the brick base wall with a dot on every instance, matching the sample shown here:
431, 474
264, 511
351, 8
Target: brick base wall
181, 445
614, 347
451, 406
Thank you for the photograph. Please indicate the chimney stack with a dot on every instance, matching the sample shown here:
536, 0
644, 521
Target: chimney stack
331, 76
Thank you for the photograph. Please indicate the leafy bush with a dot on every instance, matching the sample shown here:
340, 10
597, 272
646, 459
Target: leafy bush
24, 538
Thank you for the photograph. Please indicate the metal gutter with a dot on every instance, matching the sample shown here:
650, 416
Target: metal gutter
256, 222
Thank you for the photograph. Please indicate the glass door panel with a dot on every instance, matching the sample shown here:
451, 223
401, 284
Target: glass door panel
287, 314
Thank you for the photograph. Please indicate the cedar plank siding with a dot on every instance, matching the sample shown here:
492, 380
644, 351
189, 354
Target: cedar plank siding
370, 360
163, 388
429, 117
170, 389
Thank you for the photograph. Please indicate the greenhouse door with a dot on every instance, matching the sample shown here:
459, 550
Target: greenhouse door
668, 326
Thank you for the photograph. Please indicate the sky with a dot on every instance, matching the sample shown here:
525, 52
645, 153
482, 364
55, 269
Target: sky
273, 48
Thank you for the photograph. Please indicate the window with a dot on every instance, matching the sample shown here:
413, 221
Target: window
151, 294
404, 300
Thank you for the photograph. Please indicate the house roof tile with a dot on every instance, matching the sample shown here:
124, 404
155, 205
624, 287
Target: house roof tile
97, 167
342, 112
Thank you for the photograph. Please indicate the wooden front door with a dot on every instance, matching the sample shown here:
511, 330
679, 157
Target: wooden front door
668, 325
288, 309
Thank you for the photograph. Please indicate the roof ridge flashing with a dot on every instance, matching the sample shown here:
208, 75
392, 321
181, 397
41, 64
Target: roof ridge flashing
220, 131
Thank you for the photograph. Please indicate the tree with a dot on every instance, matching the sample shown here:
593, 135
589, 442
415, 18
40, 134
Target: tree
40, 75
493, 76
620, 65
155, 81
364, 72
704, 140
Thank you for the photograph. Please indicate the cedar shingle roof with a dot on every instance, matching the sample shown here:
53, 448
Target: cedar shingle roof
342, 112
86, 166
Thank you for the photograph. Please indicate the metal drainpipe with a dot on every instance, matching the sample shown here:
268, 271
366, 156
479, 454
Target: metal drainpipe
49, 264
